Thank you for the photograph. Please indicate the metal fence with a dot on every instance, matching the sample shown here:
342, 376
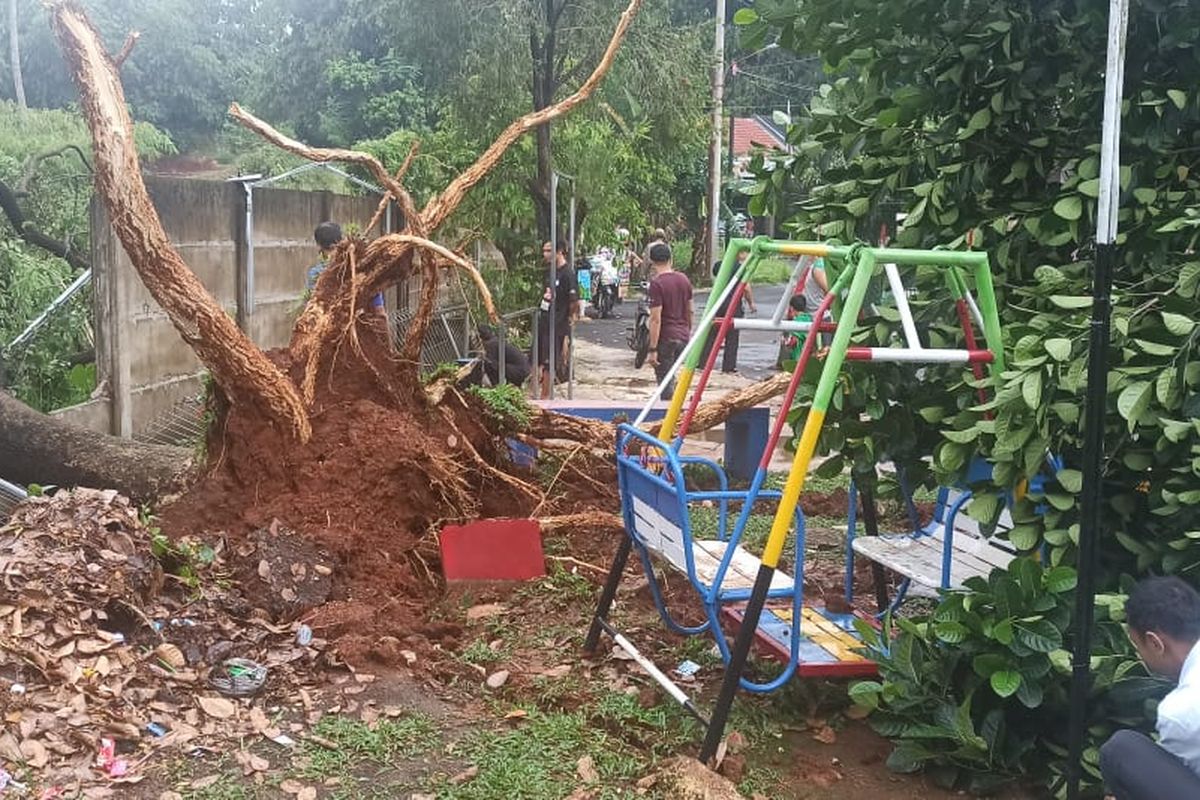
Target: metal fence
448, 339
182, 425
10, 496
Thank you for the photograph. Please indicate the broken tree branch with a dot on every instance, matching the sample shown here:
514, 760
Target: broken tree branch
442, 206
239, 367
327, 154
126, 48
485, 294
31, 235
29, 170
715, 412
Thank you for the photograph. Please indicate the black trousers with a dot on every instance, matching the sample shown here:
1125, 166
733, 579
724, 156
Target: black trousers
1135, 768
667, 353
729, 352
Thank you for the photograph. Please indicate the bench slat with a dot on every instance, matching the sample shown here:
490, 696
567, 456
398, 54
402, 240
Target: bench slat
920, 558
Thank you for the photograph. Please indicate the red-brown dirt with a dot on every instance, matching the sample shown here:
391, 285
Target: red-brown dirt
370, 488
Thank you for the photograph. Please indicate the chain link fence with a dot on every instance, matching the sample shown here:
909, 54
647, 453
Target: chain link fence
10, 496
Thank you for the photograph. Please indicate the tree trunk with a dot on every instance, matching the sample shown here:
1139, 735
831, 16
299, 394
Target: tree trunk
240, 369
35, 448
14, 53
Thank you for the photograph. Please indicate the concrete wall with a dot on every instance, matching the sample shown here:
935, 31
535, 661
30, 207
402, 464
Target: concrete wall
143, 366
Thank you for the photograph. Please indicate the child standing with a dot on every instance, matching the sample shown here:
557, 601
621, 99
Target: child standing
793, 343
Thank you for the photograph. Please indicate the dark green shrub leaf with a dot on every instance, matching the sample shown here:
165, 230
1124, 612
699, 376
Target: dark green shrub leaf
1059, 349
1038, 635
1005, 682
1060, 579
1069, 208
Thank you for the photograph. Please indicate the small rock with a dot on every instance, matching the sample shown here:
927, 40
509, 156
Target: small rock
585, 768
497, 679
464, 776
826, 735
685, 778
219, 651
485, 611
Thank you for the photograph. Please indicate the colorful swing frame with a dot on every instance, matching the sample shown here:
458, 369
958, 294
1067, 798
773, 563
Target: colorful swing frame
654, 493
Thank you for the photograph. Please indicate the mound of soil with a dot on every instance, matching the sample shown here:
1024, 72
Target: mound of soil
370, 489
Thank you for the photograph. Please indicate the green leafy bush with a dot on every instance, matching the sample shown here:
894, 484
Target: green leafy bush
983, 126
978, 691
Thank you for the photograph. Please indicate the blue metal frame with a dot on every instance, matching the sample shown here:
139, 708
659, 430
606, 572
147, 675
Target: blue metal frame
658, 480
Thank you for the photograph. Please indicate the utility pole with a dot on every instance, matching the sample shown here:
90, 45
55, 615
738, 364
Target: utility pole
714, 155
14, 52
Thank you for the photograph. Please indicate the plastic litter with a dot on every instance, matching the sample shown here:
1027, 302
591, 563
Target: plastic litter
687, 668
238, 677
157, 729
17, 688
7, 781
106, 759
283, 740
304, 636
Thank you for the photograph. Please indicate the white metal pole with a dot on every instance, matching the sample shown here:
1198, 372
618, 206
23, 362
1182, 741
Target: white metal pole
906, 317
1094, 402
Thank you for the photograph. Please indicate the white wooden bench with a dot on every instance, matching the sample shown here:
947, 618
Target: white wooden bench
923, 556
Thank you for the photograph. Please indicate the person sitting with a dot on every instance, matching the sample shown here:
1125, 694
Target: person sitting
516, 363
1163, 617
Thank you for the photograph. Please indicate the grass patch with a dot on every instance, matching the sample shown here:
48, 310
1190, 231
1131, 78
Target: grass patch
182, 772
480, 652
359, 745
563, 586
538, 760
771, 271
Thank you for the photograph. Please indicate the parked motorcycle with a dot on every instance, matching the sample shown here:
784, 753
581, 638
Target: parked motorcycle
639, 335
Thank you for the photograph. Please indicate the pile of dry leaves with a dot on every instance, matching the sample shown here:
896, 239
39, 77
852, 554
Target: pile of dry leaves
105, 659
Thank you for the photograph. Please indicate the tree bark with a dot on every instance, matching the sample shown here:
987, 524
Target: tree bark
717, 411
35, 448
14, 54
240, 369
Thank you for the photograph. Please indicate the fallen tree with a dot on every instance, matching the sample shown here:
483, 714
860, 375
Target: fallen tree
337, 434
36, 448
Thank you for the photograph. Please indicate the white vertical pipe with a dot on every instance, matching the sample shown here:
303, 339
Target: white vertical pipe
1110, 160
906, 317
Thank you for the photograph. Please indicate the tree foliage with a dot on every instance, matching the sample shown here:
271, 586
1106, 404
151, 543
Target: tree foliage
44, 162
980, 121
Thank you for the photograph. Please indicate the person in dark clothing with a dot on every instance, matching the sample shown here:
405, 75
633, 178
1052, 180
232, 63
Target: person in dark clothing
566, 311
733, 337
1163, 618
516, 363
670, 315
328, 235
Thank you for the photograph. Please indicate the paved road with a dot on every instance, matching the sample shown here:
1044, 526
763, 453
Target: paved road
756, 353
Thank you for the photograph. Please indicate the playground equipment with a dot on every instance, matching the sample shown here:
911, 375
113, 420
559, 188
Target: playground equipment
658, 500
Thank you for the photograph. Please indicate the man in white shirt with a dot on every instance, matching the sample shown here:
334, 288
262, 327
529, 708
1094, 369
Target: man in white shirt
1163, 616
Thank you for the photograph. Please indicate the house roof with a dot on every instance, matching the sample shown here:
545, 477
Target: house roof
756, 133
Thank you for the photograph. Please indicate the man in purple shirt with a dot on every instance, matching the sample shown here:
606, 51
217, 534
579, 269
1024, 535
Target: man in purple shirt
670, 314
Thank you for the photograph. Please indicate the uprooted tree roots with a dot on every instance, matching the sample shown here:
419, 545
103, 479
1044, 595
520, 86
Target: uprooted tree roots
337, 435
